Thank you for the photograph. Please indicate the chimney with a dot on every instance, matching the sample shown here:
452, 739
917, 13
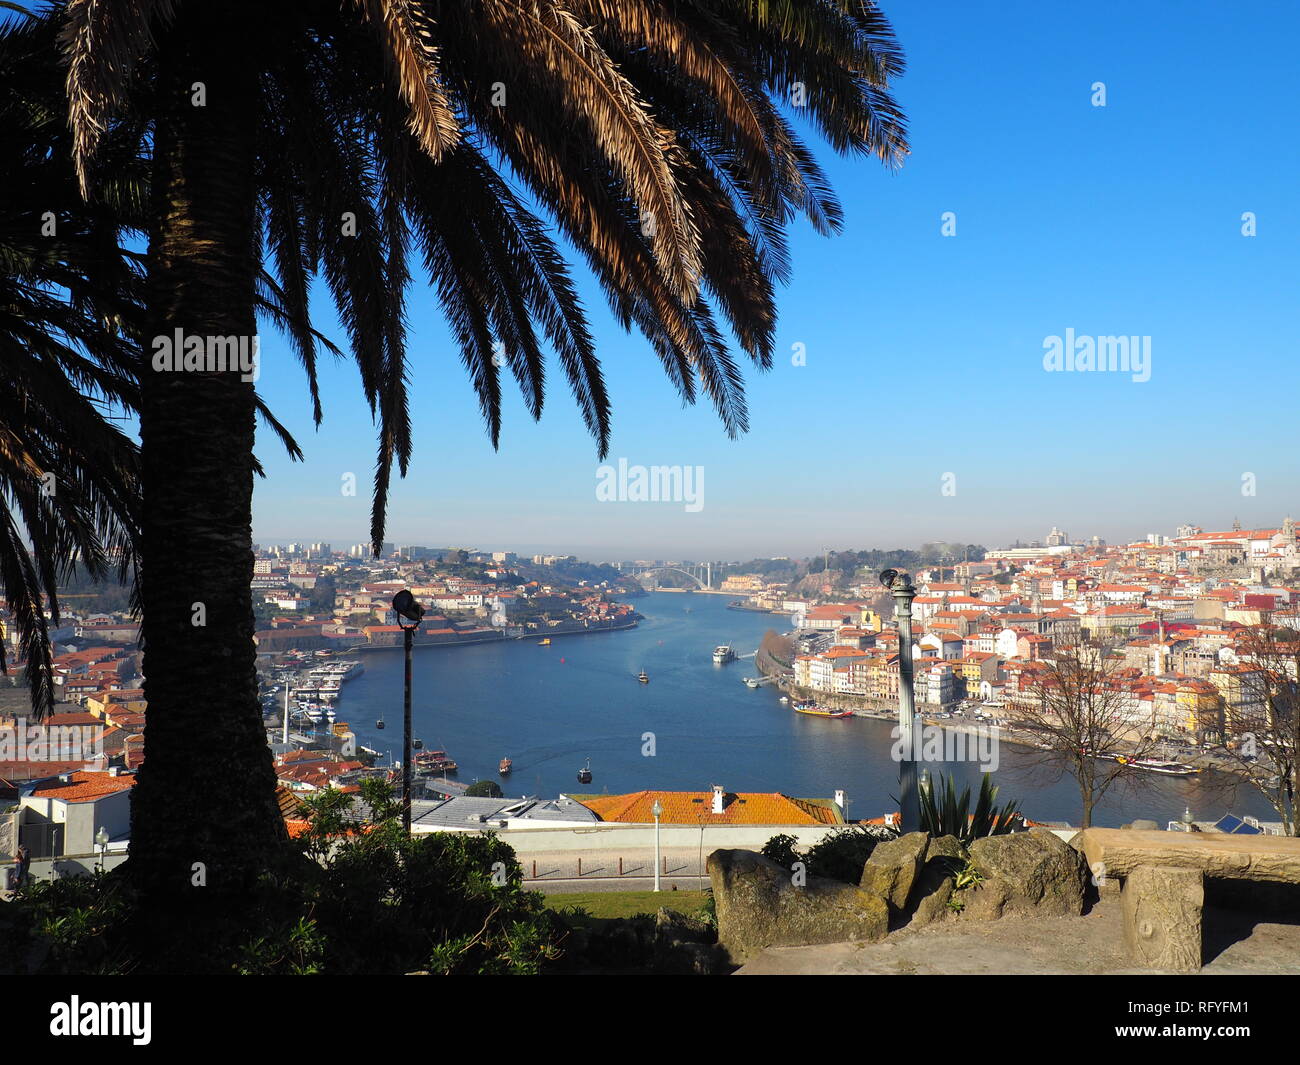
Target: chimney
718, 797
839, 798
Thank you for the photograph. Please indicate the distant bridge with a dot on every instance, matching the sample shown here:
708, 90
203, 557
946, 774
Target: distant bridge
702, 575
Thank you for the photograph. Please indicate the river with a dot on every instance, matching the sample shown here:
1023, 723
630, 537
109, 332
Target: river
551, 708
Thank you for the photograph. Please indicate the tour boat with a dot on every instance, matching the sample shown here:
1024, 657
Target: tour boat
504, 767
722, 654
437, 761
1152, 765
584, 774
820, 711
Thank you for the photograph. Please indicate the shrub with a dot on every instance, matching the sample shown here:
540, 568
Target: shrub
945, 814
841, 854
348, 898
782, 849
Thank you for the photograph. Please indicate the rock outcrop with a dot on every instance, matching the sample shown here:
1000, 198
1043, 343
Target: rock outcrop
685, 945
1026, 872
762, 904
934, 887
893, 868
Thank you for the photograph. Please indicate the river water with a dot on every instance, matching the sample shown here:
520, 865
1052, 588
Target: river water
551, 708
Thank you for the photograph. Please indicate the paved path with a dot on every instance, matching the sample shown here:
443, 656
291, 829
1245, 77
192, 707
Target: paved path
1092, 944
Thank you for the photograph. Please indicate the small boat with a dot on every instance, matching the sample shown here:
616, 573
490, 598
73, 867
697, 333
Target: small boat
504, 767
584, 774
1152, 765
544, 643
643, 677
723, 653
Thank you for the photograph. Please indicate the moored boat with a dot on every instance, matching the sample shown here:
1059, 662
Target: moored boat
1153, 765
814, 710
723, 653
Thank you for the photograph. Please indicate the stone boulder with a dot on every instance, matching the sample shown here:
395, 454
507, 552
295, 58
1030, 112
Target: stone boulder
1026, 872
934, 887
759, 905
686, 945
893, 868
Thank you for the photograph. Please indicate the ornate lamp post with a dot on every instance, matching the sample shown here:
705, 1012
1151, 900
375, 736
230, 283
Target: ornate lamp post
101, 839
409, 613
657, 809
900, 586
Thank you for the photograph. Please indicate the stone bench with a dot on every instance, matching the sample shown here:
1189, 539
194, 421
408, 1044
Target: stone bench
1163, 875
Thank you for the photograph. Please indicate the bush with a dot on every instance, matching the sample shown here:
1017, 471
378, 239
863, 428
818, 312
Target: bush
782, 849
348, 898
70, 925
841, 854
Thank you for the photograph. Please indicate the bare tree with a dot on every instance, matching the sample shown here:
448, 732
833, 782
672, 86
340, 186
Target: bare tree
1261, 722
1081, 706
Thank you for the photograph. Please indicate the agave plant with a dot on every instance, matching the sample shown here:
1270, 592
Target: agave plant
944, 813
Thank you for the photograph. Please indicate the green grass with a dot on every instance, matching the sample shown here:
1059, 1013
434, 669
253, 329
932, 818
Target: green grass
610, 904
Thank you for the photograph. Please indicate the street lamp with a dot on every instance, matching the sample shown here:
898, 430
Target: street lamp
409, 613
900, 586
657, 809
101, 839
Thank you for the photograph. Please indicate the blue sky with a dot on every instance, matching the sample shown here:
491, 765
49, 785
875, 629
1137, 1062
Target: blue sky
924, 353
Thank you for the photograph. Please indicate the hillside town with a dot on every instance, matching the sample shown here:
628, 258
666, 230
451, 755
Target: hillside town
1174, 613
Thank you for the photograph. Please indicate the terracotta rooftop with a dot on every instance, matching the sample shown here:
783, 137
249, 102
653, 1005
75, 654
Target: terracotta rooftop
85, 787
692, 807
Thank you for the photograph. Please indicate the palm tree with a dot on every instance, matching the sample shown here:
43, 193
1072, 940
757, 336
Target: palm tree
71, 301
337, 140
68, 475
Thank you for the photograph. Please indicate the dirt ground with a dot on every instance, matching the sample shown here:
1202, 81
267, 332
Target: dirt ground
1235, 943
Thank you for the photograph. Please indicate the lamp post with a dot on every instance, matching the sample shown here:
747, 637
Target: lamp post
900, 586
657, 809
409, 613
101, 839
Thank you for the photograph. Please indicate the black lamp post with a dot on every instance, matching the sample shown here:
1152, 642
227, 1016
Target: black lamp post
409, 613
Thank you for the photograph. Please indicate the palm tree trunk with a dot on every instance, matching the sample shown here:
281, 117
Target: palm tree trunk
204, 815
